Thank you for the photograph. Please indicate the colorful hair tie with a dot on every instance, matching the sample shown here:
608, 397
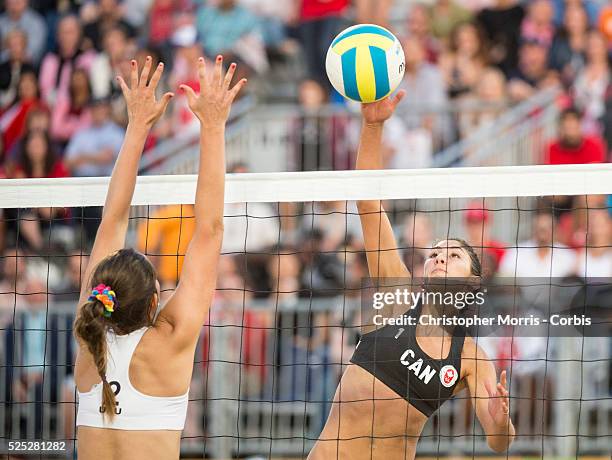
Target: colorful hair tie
107, 296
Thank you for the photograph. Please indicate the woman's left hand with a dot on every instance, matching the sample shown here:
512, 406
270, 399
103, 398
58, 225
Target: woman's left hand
142, 106
499, 401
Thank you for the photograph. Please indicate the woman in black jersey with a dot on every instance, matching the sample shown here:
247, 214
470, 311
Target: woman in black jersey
401, 375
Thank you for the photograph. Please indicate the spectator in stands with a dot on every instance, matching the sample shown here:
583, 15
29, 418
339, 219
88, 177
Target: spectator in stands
538, 24
373, 12
70, 286
595, 260
106, 15
319, 22
19, 15
592, 8
13, 64
13, 118
315, 148
463, 65
592, 82
491, 92
114, 60
38, 160
501, 24
419, 27
137, 12
92, 150
418, 132
477, 221
165, 16
323, 273
274, 17
567, 55
164, 237
446, 15
57, 67
541, 256
233, 31
71, 112
38, 119
338, 222
572, 145
532, 73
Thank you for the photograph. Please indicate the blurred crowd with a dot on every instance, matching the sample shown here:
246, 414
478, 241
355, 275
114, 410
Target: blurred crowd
62, 114
58, 61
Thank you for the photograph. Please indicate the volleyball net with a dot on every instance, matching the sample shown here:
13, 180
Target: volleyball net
288, 310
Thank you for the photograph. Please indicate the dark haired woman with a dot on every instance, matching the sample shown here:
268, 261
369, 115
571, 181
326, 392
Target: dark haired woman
71, 112
13, 117
133, 369
466, 59
37, 159
401, 376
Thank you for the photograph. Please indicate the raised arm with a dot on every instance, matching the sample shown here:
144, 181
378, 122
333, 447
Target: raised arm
143, 111
491, 401
186, 310
384, 260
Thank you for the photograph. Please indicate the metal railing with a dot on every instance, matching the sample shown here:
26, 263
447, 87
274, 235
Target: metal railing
270, 138
265, 374
517, 137
167, 158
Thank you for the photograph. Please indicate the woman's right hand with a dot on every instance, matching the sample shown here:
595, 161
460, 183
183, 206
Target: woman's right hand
212, 105
376, 113
143, 109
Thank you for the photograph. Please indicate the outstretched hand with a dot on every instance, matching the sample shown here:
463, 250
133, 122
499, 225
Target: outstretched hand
380, 111
499, 402
142, 106
212, 105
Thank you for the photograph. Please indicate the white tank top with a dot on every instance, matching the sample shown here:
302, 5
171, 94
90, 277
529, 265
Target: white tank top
134, 410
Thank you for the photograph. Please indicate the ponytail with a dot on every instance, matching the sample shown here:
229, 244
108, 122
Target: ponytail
90, 326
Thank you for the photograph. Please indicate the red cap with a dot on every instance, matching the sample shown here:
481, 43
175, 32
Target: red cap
475, 212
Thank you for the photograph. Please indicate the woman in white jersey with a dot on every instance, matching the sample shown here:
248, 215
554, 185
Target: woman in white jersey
133, 370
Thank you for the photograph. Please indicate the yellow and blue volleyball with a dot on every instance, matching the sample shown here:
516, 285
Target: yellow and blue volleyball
365, 63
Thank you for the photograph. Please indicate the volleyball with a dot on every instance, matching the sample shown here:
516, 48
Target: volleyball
365, 63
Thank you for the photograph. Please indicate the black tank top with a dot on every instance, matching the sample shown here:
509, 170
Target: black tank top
394, 357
